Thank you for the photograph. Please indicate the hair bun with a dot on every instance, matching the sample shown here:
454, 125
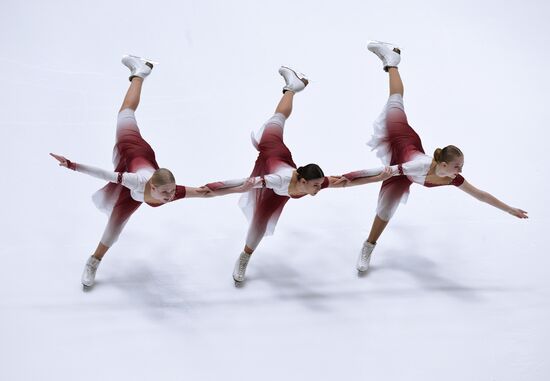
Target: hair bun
447, 154
310, 172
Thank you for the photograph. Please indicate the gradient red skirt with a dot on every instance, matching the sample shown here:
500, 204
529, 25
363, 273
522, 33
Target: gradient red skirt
130, 153
395, 142
263, 206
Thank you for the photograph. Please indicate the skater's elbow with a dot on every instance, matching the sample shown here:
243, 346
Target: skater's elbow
483, 196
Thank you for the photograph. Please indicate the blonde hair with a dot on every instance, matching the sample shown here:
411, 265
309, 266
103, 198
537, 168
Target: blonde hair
162, 176
447, 154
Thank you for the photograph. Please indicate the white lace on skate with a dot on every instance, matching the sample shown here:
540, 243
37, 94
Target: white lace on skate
363, 261
240, 267
139, 66
389, 54
88, 276
295, 81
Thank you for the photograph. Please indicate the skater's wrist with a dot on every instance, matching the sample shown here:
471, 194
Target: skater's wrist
71, 165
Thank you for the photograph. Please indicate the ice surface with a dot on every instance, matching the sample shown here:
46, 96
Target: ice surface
457, 291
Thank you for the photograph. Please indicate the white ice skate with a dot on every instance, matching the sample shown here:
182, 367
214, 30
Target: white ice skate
240, 267
364, 257
388, 53
88, 276
139, 66
295, 81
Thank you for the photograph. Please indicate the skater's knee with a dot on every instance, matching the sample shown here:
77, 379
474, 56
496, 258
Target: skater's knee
395, 101
383, 217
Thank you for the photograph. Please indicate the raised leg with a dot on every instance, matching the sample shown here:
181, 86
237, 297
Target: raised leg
285, 104
396, 84
133, 95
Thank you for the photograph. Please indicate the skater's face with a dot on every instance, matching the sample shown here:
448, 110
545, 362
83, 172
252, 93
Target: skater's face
312, 187
453, 168
163, 193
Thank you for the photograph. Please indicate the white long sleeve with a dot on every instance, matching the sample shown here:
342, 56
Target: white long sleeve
415, 168
129, 180
271, 181
365, 173
278, 181
409, 168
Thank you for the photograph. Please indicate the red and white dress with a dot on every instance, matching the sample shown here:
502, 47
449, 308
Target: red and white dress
399, 147
273, 173
134, 162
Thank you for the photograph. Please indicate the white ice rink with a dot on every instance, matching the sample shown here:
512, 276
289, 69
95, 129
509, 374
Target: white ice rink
458, 290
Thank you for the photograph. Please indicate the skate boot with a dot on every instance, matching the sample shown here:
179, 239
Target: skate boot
88, 276
364, 257
240, 267
139, 67
388, 53
295, 81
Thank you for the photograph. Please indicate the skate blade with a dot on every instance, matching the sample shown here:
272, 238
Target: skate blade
379, 42
143, 59
86, 288
239, 284
362, 274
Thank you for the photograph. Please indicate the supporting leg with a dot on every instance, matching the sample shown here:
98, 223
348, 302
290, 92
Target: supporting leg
255, 234
88, 275
378, 226
363, 262
100, 251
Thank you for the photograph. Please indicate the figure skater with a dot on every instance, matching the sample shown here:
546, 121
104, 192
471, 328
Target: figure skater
275, 177
137, 177
398, 146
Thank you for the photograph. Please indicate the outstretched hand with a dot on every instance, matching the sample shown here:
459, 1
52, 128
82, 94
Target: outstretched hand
342, 180
220, 189
519, 213
204, 191
63, 161
385, 174
247, 185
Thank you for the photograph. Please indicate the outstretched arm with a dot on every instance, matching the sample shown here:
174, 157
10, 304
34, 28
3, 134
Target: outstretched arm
365, 176
492, 200
410, 168
222, 188
191, 192
129, 180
